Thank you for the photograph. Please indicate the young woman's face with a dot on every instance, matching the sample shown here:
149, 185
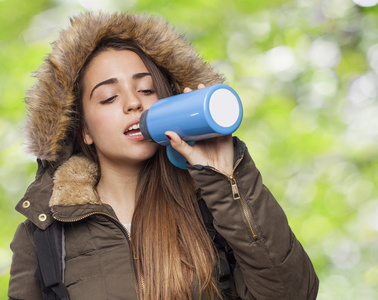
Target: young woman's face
117, 89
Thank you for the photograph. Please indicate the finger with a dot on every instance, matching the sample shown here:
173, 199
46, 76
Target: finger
201, 86
178, 144
187, 89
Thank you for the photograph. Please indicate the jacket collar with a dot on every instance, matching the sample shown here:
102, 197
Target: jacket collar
64, 192
74, 183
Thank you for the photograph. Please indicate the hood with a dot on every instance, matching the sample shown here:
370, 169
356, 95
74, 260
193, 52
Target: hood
50, 102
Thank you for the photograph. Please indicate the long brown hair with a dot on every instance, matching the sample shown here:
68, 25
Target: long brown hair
170, 246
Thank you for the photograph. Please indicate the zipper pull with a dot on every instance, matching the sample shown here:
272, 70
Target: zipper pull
235, 190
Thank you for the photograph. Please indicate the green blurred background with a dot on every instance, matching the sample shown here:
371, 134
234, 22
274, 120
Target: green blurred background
307, 73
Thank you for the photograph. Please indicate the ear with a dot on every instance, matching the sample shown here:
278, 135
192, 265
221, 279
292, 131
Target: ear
87, 137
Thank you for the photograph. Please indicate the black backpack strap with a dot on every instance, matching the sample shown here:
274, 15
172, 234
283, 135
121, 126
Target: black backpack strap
50, 269
226, 268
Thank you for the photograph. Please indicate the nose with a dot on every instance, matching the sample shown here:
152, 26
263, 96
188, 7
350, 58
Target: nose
132, 104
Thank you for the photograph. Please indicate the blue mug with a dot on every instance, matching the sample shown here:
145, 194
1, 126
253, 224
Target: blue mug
197, 115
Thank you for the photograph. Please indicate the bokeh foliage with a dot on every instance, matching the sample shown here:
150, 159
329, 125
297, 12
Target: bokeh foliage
307, 75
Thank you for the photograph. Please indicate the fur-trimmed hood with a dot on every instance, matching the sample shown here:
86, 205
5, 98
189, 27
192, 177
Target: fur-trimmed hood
50, 102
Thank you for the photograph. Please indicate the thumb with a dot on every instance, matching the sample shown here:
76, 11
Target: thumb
178, 144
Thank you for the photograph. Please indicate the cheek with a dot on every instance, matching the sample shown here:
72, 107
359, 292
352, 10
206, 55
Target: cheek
98, 123
148, 103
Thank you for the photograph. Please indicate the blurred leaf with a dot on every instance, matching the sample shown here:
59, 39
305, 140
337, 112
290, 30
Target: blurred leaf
15, 15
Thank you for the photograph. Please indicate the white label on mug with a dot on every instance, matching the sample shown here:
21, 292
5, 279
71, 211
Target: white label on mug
224, 107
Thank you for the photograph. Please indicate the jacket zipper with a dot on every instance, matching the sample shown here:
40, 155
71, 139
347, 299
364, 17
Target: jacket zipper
237, 197
116, 222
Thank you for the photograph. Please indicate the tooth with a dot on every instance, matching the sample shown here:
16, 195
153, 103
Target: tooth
135, 126
133, 134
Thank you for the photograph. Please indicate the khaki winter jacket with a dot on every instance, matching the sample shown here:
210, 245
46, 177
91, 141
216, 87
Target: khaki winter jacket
271, 264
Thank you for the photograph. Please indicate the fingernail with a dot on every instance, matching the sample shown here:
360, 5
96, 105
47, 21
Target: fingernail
169, 138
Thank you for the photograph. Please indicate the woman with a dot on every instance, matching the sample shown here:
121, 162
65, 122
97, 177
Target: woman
132, 223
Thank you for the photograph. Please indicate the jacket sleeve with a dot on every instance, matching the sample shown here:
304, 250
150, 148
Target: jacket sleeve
271, 263
22, 283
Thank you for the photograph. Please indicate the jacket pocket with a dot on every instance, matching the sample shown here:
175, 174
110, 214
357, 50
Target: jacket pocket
83, 278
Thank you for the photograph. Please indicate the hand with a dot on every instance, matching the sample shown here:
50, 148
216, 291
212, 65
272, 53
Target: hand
216, 152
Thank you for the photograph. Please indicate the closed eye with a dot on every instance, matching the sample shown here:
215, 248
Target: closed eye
109, 100
147, 92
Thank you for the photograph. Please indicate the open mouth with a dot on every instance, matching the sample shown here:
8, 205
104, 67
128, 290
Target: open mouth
133, 130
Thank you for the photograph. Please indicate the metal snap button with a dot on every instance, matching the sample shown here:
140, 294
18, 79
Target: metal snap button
42, 217
25, 204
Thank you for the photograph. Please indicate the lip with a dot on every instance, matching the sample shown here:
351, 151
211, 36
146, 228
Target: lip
135, 137
131, 123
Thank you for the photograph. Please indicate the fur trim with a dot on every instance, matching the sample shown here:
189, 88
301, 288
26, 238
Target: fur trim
74, 183
51, 100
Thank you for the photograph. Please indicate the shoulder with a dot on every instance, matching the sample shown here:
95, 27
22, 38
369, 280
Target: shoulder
23, 236
22, 283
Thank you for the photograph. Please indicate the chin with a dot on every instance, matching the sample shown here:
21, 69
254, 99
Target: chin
132, 156
146, 153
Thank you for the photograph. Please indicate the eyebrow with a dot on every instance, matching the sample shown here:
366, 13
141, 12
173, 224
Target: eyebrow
108, 81
136, 76
140, 75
